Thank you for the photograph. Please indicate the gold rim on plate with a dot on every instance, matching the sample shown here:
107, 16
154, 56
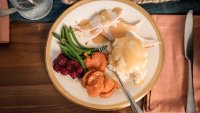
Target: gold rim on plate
95, 106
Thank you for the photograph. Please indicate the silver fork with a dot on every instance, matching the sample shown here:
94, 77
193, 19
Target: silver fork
134, 106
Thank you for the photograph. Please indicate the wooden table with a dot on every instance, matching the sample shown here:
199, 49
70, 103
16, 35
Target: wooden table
25, 86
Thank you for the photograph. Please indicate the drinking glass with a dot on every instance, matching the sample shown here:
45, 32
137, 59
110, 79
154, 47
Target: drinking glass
32, 9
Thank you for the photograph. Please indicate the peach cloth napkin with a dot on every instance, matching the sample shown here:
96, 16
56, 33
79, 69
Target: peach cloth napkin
4, 24
170, 92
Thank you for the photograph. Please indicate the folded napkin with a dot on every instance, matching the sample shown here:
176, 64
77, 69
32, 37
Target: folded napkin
4, 24
170, 92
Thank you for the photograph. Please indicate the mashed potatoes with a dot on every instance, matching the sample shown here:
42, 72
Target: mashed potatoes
129, 58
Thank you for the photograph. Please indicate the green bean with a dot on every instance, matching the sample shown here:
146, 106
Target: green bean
97, 49
63, 32
82, 57
69, 38
76, 40
77, 56
64, 48
56, 36
84, 50
69, 55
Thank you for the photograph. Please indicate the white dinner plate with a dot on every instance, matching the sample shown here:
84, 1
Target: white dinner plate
72, 88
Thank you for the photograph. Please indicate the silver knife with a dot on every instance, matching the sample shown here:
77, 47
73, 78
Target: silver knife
188, 46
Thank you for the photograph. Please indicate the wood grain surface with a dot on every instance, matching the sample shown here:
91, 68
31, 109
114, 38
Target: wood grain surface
25, 86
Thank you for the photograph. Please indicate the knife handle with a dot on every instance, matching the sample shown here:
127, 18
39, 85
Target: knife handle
190, 94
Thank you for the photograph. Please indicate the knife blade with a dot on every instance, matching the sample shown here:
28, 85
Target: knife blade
188, 36
188, 46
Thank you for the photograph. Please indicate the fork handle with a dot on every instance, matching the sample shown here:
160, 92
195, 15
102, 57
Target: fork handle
134, 105
190, 94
